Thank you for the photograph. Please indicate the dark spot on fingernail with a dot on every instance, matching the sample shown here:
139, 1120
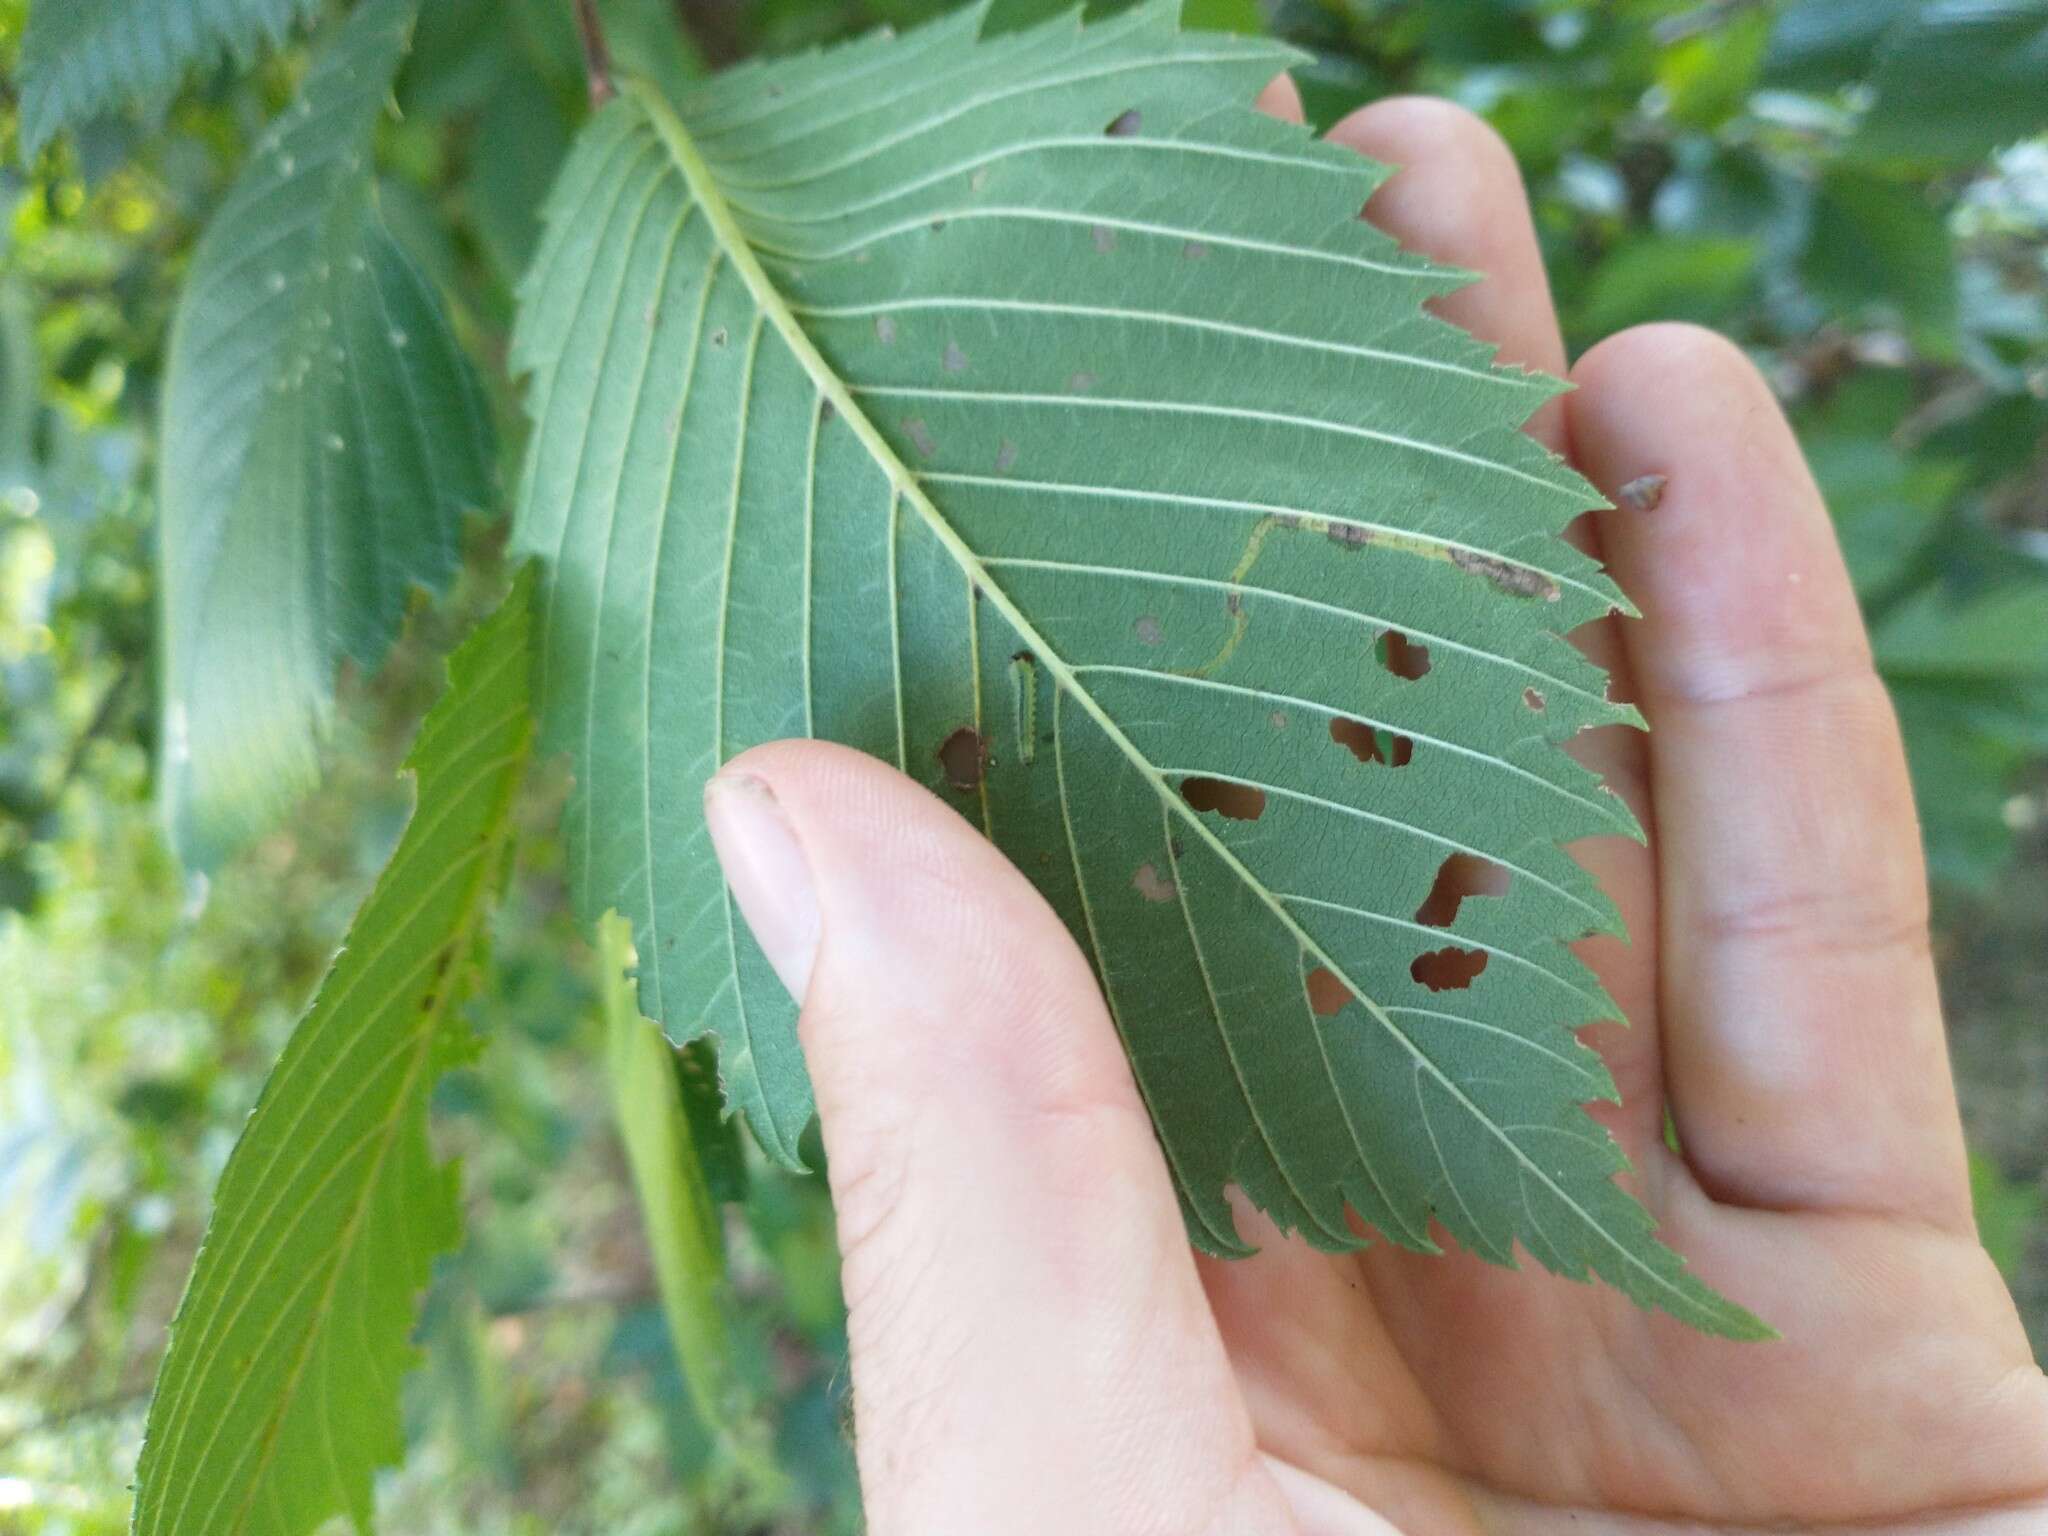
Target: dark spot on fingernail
1644, 493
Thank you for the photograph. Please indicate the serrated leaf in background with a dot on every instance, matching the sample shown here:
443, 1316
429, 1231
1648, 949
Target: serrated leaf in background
1034, 414
1956, 79
322, 437
1878, 249
83, 58
278, 1398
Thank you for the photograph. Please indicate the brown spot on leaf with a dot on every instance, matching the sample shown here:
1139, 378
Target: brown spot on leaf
1149, 883
1006, 456
1327, 993
921, 435
1515, 580
963, 757
1105, 239
1125, 124
1349, 535
954, 361
885, 330
1535, 700
1148, 629
1194, 250
1461, 875
1080, 383
1238, 802
1449, 969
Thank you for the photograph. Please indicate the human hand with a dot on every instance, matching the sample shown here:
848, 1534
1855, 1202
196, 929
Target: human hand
1035, 1349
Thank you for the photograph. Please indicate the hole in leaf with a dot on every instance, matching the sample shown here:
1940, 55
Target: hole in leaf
1371, 745
1148, 629
1462, 875
1535, 700
1239, 802
1326, 994
954, 360
1125, 124
1149, 883
1450, 969
1402, 656
963, 756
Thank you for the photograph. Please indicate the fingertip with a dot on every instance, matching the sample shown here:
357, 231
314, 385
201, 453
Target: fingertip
1456, 196
1281, 98
1666, 354
1400, 130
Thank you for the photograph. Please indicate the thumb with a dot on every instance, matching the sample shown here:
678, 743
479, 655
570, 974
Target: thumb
1031, 1347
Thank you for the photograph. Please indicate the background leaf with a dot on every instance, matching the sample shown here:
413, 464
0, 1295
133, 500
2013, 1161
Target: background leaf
83, 58
1090, 364
279, 1395
1956, 79
322, 435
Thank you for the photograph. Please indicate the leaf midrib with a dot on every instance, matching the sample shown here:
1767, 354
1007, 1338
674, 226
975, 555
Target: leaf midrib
704, 188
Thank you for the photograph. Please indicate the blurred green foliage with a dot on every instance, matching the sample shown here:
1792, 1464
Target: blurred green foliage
1854, 190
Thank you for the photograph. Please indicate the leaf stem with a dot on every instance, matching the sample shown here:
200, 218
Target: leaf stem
597, 55
680, 1216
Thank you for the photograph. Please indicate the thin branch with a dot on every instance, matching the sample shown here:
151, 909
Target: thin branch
597, 57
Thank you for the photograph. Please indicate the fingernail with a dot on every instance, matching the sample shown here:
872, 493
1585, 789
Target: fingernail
766, 872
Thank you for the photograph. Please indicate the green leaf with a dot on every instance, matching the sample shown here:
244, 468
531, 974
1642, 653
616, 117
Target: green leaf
1996, 636
1665, 277
322, 435
1958, 79
1879, 246
2007, 1213
278, 1398
83, 58
673, 1182
1822, 44
1034, 414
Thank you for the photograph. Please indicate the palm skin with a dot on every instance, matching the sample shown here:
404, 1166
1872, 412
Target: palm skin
1033, 1349
1458, 1398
